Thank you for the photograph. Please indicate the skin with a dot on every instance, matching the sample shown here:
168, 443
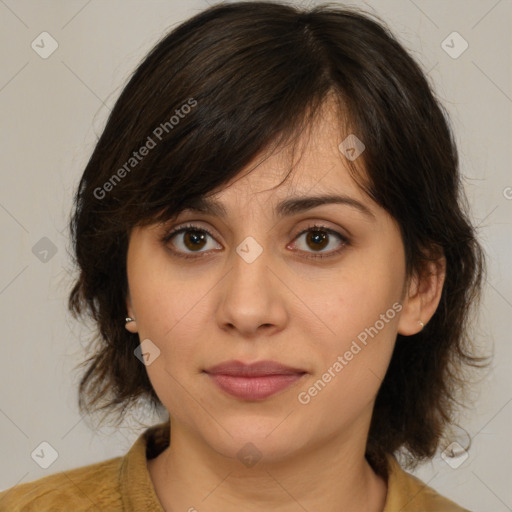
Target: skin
284, 307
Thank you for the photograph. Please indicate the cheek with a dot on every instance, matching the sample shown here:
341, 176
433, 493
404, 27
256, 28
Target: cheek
168, 314
171, 319
160, 297
352, 362
349, 301
353, 314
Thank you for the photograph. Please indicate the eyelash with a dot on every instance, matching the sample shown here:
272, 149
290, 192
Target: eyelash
166, 238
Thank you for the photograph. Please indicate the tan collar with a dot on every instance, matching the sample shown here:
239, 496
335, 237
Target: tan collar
406, 493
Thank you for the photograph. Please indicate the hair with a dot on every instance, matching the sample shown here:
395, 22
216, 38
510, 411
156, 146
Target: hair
218, 90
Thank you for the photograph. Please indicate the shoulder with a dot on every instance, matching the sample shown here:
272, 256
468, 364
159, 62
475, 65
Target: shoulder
407, 493
113, 485
87, 488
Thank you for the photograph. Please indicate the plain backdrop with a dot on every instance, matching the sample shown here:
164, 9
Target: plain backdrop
54, 108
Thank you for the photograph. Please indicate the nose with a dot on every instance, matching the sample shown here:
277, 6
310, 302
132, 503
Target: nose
252, 297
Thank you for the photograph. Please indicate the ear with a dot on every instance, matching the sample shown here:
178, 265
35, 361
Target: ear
130, 326
422, 296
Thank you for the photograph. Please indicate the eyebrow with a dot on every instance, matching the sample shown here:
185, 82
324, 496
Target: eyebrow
285, 208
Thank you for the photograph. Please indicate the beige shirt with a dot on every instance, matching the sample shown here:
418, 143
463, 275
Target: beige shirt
123, 484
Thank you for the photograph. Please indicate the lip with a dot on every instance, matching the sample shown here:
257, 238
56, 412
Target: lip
255, 381
257, 369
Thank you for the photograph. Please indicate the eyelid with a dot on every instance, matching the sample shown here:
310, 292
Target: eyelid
321, 226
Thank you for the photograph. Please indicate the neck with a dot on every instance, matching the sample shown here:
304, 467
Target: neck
332, 477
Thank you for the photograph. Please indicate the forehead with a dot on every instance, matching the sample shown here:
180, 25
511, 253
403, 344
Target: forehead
313, 166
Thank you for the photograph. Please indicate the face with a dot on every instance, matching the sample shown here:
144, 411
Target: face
257, 284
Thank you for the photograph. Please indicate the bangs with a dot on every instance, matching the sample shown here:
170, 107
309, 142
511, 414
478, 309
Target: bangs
233, 93
292, 138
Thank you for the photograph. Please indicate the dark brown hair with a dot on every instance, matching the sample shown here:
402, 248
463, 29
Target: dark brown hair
220, 89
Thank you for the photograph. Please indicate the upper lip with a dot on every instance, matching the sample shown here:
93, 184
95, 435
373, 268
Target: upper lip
257, 369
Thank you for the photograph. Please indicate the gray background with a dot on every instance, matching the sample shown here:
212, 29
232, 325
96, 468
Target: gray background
53, 110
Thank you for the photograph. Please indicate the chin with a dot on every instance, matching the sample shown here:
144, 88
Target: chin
253, 440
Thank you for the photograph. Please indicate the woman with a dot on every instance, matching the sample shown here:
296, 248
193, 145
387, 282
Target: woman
271, 237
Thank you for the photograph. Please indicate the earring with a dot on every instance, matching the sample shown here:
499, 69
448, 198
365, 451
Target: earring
130, 325
421, 324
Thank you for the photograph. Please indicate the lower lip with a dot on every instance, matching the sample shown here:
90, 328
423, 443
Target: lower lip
254, 388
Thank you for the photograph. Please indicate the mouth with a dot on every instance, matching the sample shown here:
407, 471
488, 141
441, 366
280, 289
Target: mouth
255, 381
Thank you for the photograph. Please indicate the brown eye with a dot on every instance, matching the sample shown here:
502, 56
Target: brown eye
317, 238
189, 239
194, 239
